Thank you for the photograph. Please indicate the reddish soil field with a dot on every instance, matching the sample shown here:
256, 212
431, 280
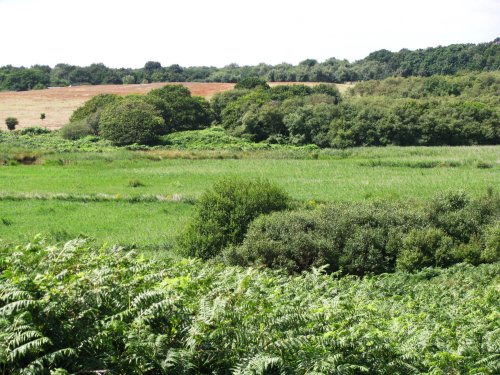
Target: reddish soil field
59, 103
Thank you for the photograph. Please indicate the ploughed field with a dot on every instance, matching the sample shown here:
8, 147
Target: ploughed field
58, 103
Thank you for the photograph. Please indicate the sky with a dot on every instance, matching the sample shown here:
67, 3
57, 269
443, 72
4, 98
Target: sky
127, 33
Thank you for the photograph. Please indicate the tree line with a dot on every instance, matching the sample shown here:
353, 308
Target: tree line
380, 64
430, 111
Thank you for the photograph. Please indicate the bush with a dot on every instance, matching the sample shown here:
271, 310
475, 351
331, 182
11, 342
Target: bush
97, 102
179, 109
128, 80
288, 240
426, 247
251, 83
224, 213
130, 121
11, 123
374, 238
34, 130
76, 130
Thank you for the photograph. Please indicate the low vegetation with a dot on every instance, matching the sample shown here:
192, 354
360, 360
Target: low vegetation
375, 238
163, 233
223, 214
78, 308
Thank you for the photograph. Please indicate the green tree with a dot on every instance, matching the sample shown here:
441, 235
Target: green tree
131, 120
11, 123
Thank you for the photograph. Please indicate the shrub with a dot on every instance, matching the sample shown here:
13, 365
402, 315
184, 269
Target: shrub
425, 247
128, 80
491, 252
11, 123
251, 83
76, 130
374, 238
93, 105
289, 240
224, 213
130, 121
179, 109
34, 130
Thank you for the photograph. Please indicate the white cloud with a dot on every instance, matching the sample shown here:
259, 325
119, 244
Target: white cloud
128, 33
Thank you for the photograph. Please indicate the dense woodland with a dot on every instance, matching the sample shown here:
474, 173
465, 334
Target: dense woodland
377, 65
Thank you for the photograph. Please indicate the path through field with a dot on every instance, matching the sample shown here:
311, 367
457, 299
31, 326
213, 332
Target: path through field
59, 103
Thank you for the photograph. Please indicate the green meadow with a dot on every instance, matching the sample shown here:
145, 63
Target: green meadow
143, 198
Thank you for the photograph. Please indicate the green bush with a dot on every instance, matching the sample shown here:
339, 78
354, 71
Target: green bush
250, 83
375, 238
130, 121
11, 123
179, 109
224, 213
426, 247
34, 130
128, 80
97, 102
76, 130
289, 240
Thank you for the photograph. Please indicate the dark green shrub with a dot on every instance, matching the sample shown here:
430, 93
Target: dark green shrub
491, 252
128, 80
91, 106
221, 100
76, 130
11, 123
179, 110
328, 89
425, 247
250, 83
375, 238
289, 240
224, 213
34, 130
130, 121
461, 217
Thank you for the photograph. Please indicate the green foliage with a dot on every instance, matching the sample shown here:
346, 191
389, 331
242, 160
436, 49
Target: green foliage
76, 130
77, 308
250, 83
11, 123
224, 212
129, 121
97, 103
374, 238
425, 248
34, 130
180, 111
213, 138
381, 64
128, 80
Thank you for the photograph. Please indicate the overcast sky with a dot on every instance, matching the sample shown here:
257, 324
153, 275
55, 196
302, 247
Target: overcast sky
127, 33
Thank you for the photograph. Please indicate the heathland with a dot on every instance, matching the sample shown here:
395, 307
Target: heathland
294, 229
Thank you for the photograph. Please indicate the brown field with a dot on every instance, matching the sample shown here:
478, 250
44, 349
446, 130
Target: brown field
59, 103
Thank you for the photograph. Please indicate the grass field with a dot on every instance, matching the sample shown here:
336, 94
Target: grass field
59, 103
99, 194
